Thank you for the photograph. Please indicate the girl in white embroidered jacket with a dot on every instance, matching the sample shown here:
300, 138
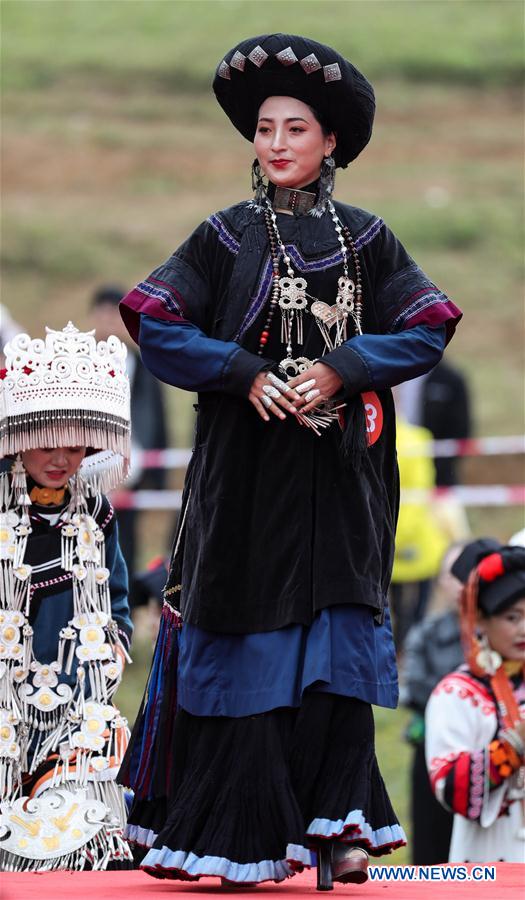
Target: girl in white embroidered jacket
475, 728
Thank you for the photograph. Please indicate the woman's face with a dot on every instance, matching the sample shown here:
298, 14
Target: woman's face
53, 467
290, 143
506, 631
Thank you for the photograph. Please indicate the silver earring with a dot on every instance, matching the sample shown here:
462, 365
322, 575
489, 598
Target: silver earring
326, 186
487, 659
258, 186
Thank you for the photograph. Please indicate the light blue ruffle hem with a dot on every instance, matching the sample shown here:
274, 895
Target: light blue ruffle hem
192, 866
137, 835
355, 828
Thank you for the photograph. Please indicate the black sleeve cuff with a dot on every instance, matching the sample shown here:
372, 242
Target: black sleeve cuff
351, 368
243, 367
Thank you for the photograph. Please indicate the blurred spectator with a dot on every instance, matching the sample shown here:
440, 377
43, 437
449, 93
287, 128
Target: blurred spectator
148, 415
146, 589
421, 539
439, 401
518, 539
475, 716
432, 650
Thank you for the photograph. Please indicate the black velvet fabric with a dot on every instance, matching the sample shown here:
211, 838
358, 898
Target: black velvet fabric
279, 525
431, 822
333, 761
283, 484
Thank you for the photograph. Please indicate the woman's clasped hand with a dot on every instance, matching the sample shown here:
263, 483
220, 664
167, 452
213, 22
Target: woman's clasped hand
270, 394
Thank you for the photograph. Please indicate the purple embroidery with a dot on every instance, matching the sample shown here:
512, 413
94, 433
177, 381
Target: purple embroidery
257, 301
369, 234
477, 784
224, 235
261, 294
317, 265
417, 305
162, 293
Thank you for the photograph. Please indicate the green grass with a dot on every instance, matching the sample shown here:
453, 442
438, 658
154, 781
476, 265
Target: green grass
178, 43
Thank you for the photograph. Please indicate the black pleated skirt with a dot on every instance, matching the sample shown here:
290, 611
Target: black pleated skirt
249, 799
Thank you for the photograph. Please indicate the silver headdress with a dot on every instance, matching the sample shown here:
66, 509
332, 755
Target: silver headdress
68, 390
65, 391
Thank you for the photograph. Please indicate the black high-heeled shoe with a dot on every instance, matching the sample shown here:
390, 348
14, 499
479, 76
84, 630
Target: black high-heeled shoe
349, 864
324, 866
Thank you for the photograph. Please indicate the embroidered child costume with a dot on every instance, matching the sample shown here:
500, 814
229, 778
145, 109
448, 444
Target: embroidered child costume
475, 756
63, 607
283, 557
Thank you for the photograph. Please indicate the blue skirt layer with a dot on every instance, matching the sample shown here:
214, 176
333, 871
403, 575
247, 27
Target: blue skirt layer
343, 652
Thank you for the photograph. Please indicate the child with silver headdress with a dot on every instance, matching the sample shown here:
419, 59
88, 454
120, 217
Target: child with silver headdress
65, 627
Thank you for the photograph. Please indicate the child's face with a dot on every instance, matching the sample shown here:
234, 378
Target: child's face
506, 631
53, 467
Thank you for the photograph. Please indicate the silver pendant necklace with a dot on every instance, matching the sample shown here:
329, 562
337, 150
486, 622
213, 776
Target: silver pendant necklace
290, 294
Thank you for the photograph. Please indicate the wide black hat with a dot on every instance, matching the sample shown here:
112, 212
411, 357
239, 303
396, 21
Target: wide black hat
501, 571
293, 66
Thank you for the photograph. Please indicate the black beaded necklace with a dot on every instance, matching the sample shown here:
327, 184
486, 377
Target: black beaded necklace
350, 295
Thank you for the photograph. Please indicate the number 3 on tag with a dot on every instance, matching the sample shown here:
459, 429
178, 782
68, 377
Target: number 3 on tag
374, 416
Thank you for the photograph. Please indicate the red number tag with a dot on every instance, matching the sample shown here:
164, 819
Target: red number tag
374, 416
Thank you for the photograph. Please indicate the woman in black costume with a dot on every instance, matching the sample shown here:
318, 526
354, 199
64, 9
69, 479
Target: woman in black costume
292, 316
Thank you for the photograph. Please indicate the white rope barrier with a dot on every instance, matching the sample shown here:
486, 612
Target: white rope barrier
466, 495
487, 446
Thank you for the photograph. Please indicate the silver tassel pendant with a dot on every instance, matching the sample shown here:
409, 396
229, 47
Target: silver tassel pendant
292, 302
345, 304
258, 187
326, 187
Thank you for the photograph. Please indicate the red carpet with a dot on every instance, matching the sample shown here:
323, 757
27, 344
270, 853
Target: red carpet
509, 885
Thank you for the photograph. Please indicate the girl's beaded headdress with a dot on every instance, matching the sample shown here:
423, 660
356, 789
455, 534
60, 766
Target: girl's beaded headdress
68, 390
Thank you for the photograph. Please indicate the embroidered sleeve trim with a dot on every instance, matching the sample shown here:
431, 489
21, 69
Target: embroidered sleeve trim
163, 293
459, 781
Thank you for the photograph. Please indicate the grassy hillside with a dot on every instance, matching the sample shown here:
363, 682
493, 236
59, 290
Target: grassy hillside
176, 43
